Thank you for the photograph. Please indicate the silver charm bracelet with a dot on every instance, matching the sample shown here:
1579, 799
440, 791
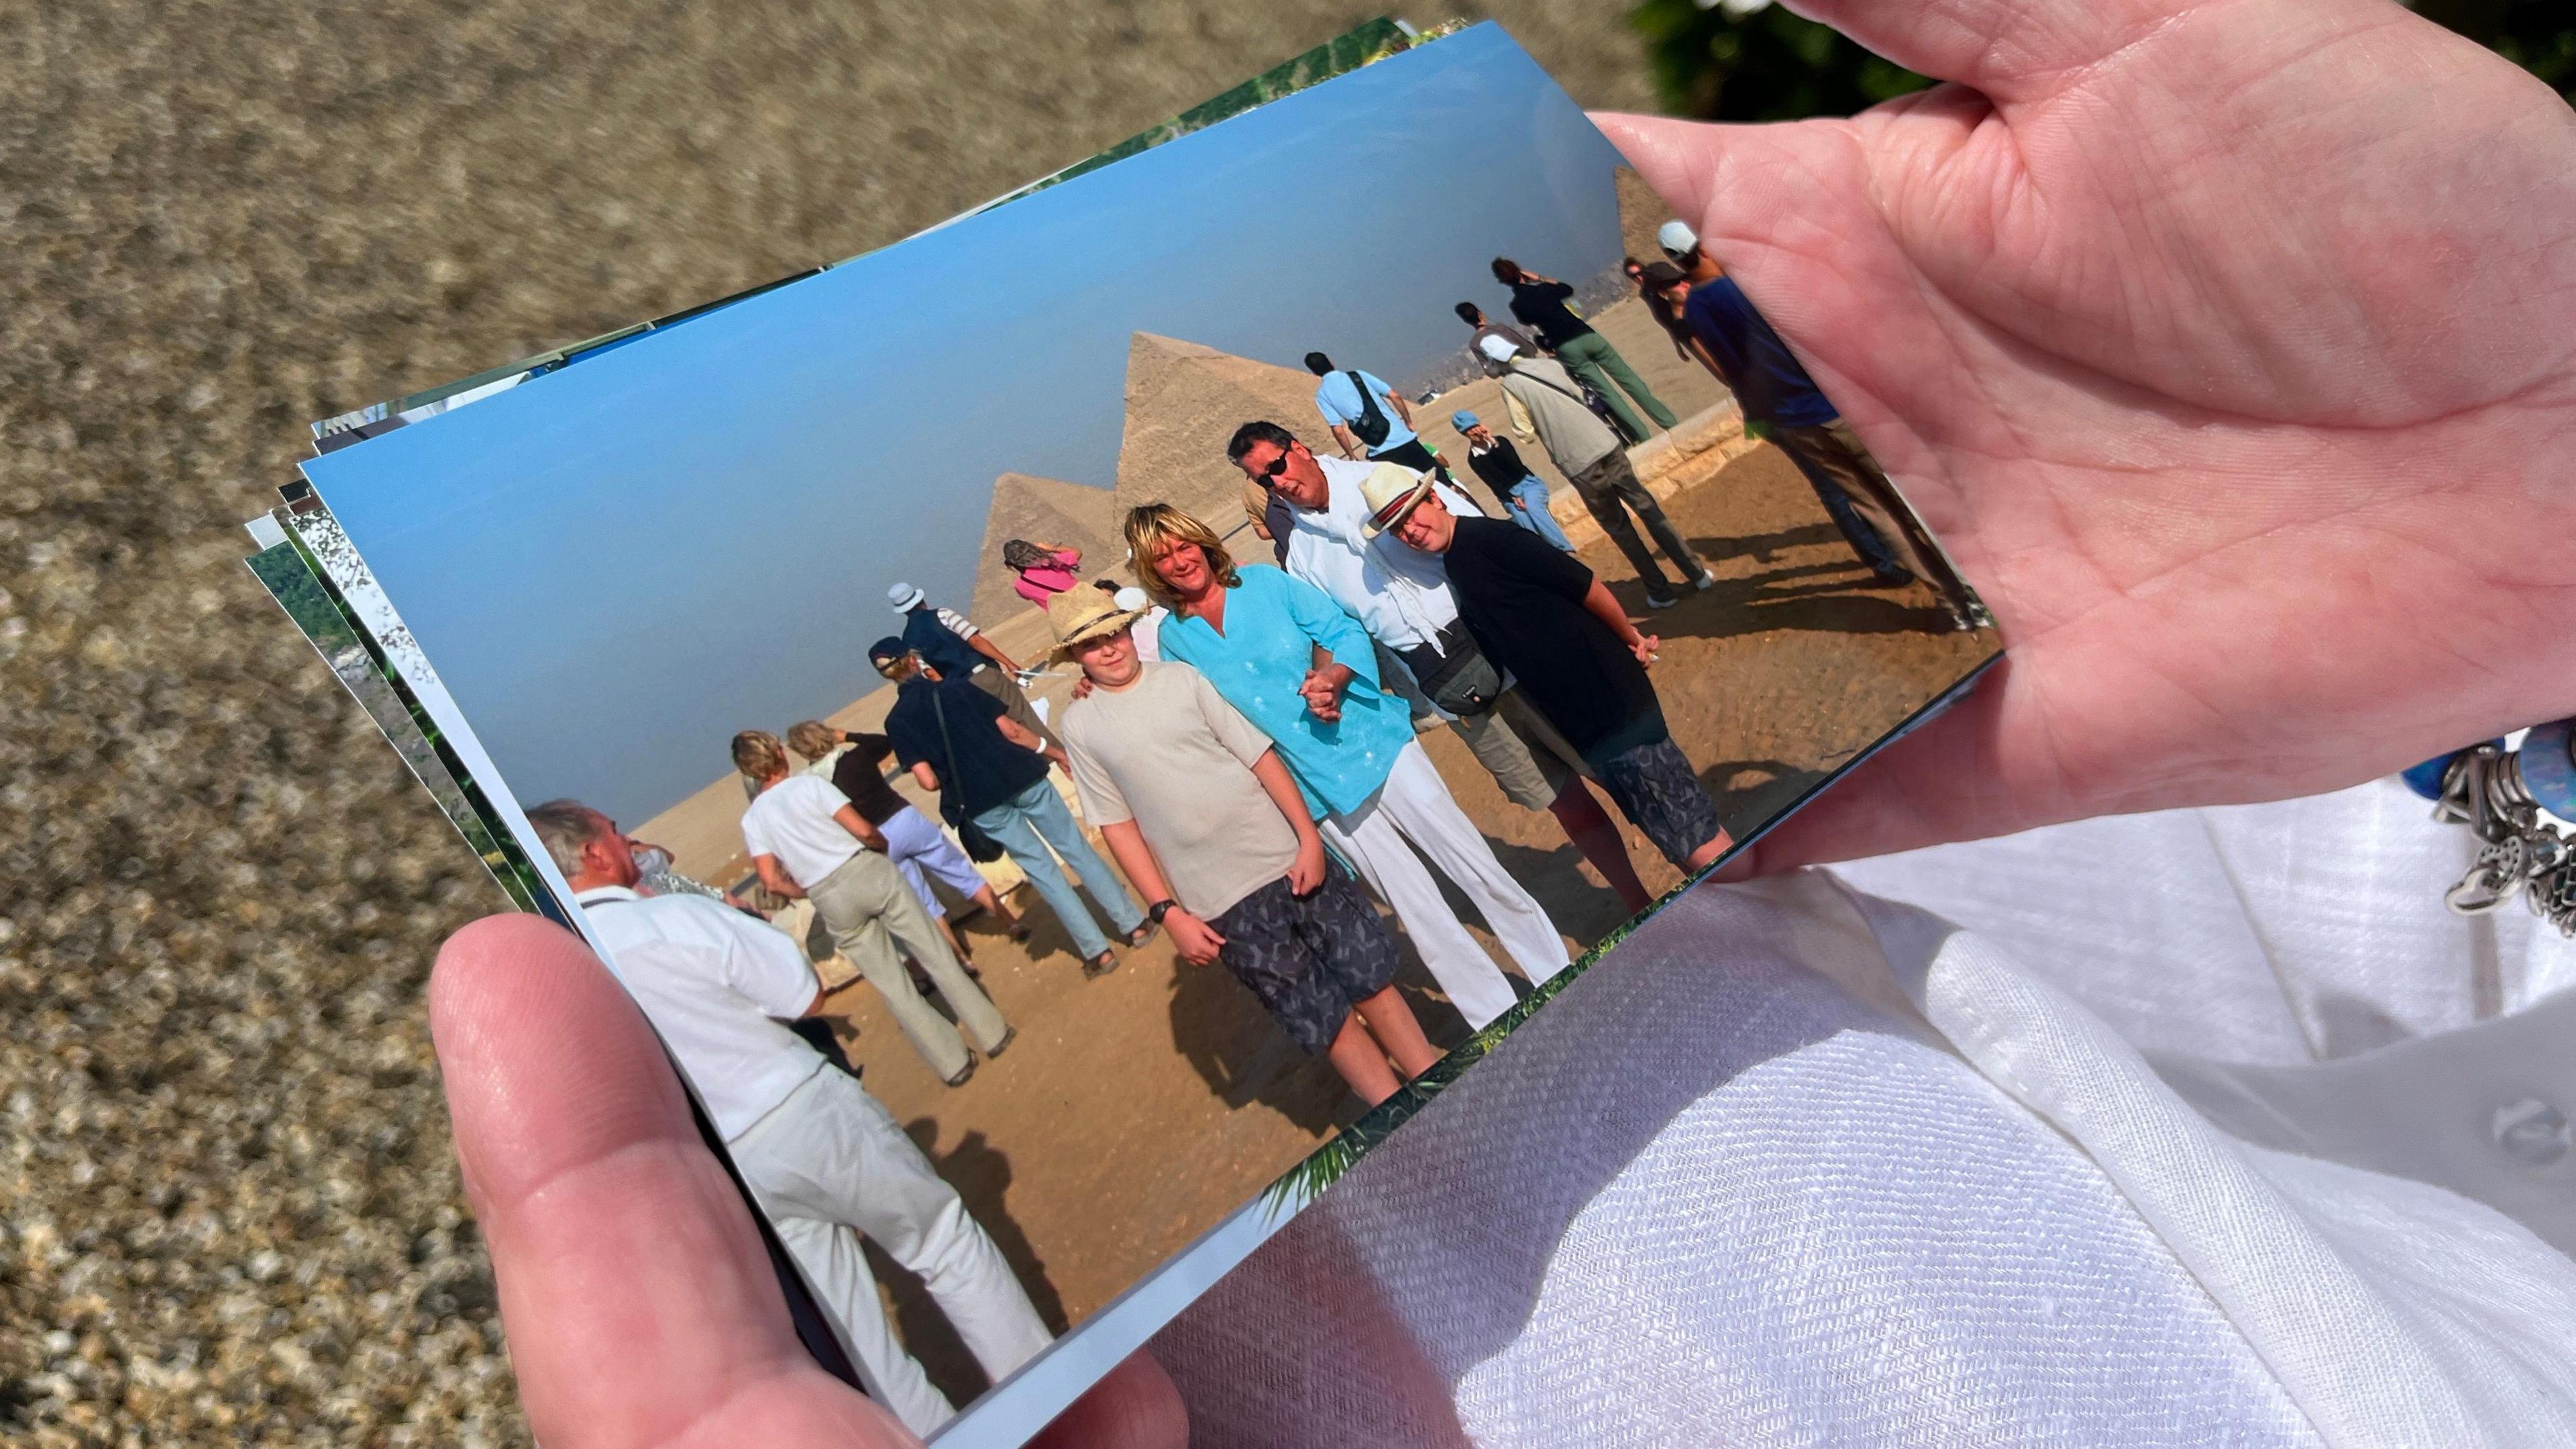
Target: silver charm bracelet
2500, 794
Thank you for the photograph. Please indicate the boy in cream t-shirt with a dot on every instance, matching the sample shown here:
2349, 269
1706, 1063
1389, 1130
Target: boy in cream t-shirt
1204, 818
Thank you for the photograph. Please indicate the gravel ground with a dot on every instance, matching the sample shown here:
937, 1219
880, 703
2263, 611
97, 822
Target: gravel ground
228, 1209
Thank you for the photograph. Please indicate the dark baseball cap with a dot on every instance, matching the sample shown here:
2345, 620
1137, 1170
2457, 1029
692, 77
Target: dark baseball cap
887, 650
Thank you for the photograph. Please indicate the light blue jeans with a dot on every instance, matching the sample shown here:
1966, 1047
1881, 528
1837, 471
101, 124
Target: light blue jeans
1531, 494
1029, 822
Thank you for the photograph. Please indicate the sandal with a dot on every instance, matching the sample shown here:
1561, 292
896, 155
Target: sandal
1141, 934
1099, 966
963, 1073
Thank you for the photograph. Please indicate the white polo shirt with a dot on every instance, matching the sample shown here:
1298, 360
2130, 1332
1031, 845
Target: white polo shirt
793, 821
718, 985
1399, 594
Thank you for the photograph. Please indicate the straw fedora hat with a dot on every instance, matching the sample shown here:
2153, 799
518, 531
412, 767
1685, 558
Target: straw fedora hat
1078, 615
1391, 490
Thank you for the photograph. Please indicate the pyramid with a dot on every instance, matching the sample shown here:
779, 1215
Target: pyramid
1044, 510
1642, 212
1183, 402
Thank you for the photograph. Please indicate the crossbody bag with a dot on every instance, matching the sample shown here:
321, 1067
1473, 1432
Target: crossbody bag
980, 846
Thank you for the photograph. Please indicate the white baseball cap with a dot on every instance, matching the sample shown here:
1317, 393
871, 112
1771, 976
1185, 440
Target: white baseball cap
1676, 237
1496, 346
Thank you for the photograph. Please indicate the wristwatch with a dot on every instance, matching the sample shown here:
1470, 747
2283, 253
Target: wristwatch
1159, 909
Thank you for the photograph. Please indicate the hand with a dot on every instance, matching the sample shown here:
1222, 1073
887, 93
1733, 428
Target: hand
1082, 687
2232, 352
1644, 648
603, 1209
1323, 691
1306, 872
1197, 942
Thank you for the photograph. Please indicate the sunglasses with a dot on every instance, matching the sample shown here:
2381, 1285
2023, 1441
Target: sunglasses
1277, 466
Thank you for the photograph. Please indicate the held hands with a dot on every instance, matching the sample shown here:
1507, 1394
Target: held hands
1194, 940
1323, 691
2230, 350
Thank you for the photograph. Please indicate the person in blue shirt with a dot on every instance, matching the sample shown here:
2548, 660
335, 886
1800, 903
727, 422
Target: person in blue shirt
1302, 669
1735, 343
1343, 397
948, 642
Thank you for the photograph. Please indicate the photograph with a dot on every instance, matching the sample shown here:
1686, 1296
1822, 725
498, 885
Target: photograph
1061, 720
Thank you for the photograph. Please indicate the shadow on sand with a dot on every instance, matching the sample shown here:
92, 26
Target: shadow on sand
1842, 600
982, 1176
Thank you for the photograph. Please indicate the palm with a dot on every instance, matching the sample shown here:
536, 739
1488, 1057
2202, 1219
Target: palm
2230, 350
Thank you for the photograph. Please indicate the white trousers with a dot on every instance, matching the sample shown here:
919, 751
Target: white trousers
1414, 811
828, 1164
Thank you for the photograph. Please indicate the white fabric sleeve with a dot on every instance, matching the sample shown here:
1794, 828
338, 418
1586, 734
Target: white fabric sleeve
764, 965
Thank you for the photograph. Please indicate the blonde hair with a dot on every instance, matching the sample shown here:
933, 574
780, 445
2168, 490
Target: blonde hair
1152, 526
758, 754
812, 738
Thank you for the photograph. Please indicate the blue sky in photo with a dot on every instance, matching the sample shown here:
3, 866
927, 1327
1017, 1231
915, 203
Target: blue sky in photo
615, 567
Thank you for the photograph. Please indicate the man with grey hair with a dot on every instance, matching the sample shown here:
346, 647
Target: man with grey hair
824, 1159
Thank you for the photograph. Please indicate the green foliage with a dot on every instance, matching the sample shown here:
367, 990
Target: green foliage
2538, 35
1772, 66
1766, 66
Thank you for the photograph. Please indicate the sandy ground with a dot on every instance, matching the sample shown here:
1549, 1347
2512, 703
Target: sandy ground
1136, 1110
229, 1211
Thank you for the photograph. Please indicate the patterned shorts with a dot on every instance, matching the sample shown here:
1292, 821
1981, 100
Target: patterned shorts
1654, 786
1310, 960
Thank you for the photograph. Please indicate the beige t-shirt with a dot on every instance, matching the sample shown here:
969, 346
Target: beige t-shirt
1170, 754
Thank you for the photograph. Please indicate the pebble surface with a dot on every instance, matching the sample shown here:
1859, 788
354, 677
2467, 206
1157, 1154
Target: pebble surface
229, 1211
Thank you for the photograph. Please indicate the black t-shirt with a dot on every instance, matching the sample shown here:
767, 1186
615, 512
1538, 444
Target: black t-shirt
1501, 468
1542, 306
1523, 599
987, 769
860, 774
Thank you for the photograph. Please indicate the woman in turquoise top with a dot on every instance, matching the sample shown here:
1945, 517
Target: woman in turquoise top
1377, 799
1254, 633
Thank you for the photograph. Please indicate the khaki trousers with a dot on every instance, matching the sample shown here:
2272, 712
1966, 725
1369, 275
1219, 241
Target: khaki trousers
876, 921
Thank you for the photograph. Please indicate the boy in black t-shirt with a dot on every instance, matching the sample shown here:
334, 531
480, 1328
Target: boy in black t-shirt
1573, 653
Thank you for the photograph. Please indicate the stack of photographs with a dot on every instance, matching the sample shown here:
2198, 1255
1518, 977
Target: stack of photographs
1158, 675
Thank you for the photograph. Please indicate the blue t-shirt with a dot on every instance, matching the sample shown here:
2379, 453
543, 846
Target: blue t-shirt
983, 769
1339, 402
1765, 375
1272, 625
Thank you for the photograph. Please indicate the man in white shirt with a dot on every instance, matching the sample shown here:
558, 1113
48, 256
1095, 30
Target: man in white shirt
807, 839
1402, 597
826, 1161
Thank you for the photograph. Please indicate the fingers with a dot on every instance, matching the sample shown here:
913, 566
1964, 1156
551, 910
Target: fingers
1952, 779
1134, 1406
640, 1304
2005, 48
